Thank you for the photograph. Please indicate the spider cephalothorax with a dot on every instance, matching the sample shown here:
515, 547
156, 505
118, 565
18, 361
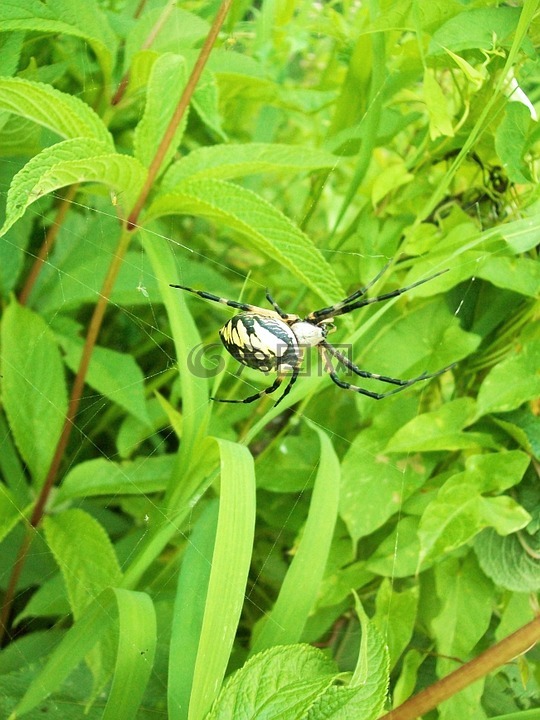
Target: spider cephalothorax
274, 341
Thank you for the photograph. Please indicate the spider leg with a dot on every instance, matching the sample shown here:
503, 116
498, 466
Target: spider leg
280, 312
231, 303
277, 382
332, 309
326, 349
349, 307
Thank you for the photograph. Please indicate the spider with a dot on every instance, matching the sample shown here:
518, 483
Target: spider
273, 340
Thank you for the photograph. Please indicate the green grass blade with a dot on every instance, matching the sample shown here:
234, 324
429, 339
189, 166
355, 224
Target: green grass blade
288, 617
137, 639
230, 565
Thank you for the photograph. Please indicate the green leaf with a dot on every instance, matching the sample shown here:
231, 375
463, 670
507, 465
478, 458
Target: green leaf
440, 120
134, 659
64, 114
286, 622
396, 616
512, 142
280, 682
84, 554
225, 162
460, 511
189, 610
512, 382
69, 162
33, 388
102, 477
86, 22
10, 513
365, 695
511, 561
228, 574
165, 86
113, 374
264, 228
373, 487
477, 28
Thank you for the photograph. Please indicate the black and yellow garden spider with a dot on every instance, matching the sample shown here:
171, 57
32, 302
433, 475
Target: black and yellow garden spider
273, 340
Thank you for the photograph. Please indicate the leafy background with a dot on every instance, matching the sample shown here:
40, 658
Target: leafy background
153, 541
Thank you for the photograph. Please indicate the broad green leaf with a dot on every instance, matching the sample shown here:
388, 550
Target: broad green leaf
261, 225
465, 596
278, 683
206, 103
225, 162
64, 114
103, 477
10, 512
511, 561
460, 511
285, 623
113, 374
512, 382
86, 21
228, 575
520, 235
69, 162
374, 485
518, 274
84, 555
396, 616
440, 119
477, 28
465, 606
134, 659
439, 430
512, 142
33, 387
165, 86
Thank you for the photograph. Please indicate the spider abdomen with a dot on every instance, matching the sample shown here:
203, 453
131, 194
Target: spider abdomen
261, 342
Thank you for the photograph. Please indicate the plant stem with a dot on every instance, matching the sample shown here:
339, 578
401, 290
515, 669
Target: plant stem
491, 659
49, 241
179, 112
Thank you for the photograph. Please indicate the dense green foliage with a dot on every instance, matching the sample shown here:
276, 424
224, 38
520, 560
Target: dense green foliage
154, 541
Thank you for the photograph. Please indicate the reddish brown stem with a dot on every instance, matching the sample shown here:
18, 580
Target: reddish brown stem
49, 241
179, 112
122, 85
503, 652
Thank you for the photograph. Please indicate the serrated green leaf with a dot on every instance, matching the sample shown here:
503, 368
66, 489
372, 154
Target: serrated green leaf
286, 622
205, 101
104, 477
33, 387
460, 511
165, 86
364, 697
280, 682
134, 657
64, 114
69, 162
10, 513
395, 616
86, 22
115, 375
512, 382
84, 555
511, 561
262, 226
225, 162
